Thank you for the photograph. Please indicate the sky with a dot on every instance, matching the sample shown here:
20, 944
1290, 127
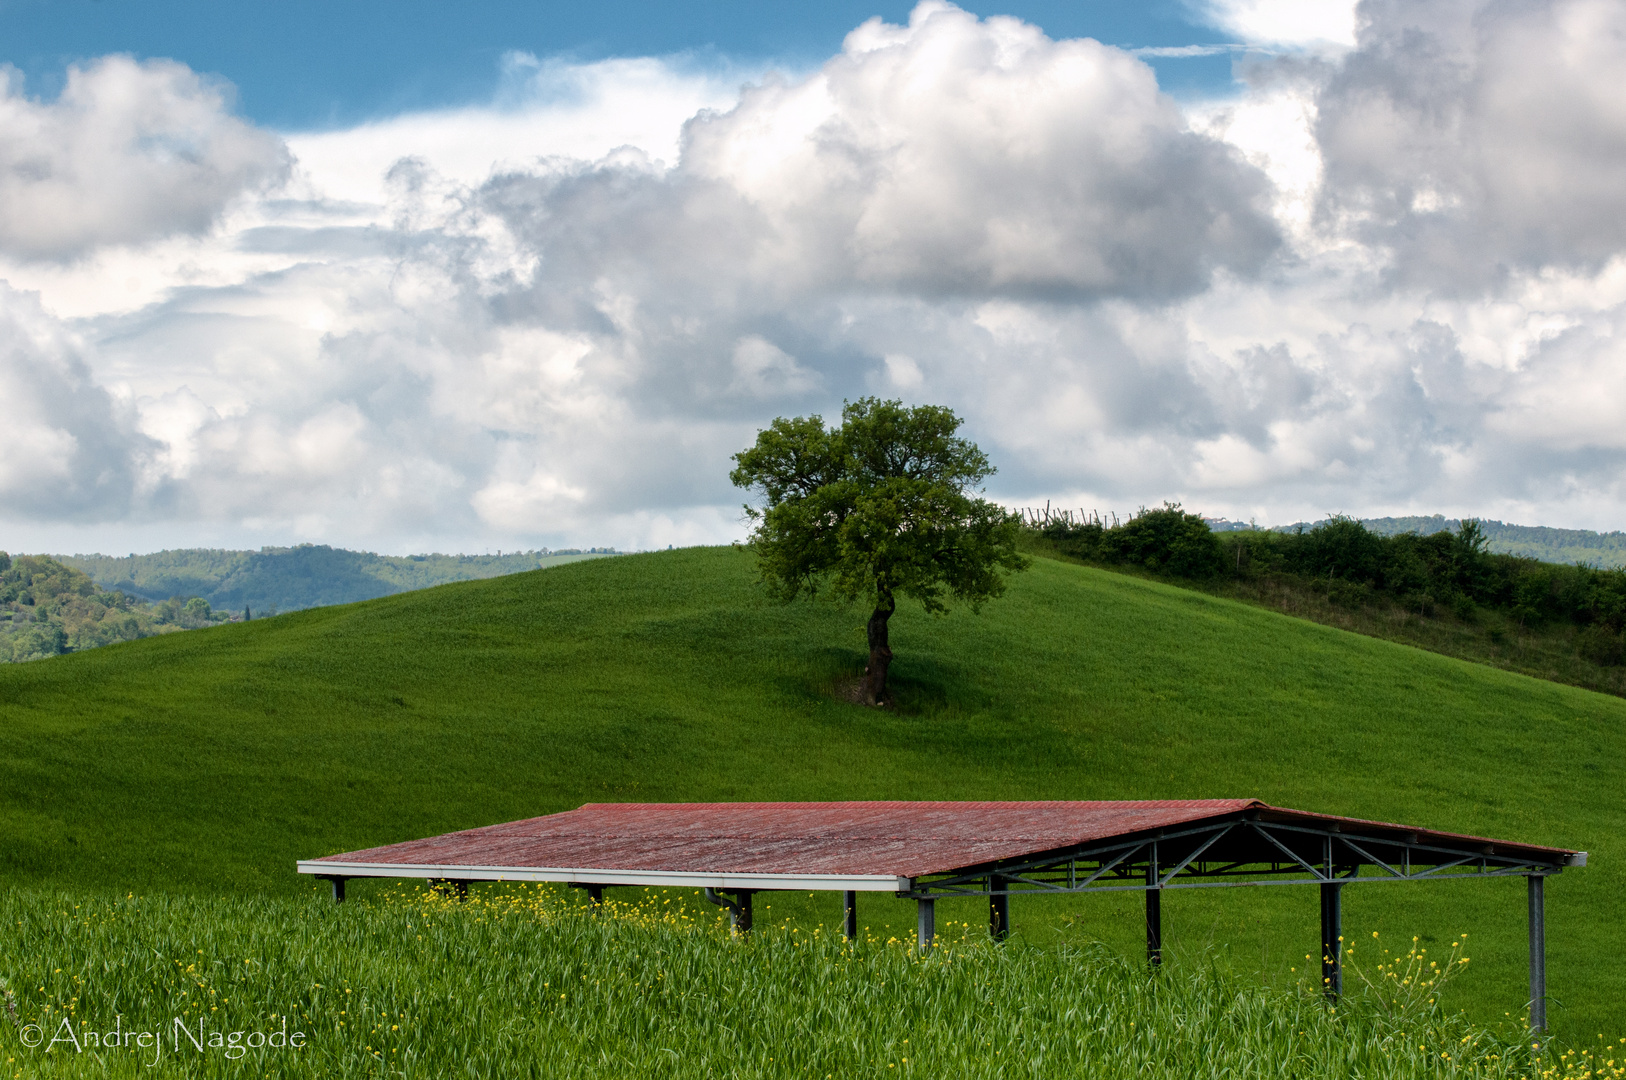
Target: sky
493, 275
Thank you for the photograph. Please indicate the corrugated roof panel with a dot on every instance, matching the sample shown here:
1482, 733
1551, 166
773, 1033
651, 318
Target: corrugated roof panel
906, 839
903, 839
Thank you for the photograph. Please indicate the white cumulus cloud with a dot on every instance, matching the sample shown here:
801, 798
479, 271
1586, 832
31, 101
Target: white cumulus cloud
964, 156
1293, 23
127, 153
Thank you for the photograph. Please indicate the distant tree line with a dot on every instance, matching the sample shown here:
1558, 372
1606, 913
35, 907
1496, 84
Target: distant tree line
1566, 546
48, 608
308, 575
1443, 573
56, 604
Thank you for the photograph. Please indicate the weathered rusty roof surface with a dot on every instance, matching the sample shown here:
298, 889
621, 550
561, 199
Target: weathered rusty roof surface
904, 839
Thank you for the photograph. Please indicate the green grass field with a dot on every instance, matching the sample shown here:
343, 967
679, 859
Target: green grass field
527, 983
208, 762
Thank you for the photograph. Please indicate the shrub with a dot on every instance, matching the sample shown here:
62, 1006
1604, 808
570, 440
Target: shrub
1081, 541
1168, 540
1341, 548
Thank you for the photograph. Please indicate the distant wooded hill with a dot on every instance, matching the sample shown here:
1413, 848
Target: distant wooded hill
1564, 546
310, 575
1567, 546
47, 609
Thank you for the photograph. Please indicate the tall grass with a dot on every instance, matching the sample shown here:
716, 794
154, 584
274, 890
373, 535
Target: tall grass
531, 982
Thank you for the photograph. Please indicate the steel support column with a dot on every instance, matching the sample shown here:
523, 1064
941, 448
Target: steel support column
1332, 939
999, 908
595, 894
849, 915
739, 908
926, 922
1154, 912
338, 889
1538, 952
1154, 926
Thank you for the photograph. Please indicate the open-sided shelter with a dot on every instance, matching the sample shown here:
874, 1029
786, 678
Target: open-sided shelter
928, 850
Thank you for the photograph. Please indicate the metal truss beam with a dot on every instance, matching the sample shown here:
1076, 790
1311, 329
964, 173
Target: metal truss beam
1281, 855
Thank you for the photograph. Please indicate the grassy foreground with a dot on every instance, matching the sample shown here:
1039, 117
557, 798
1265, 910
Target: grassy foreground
208, 762
529, 983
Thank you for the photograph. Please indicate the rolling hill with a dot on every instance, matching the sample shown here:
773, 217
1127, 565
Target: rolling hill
308, 575
209, 761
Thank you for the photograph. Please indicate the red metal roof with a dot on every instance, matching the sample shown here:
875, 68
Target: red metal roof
902, 839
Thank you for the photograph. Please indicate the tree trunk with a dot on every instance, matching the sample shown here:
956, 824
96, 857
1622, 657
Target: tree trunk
873, 687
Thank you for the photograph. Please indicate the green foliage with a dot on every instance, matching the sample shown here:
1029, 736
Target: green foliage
1432, 574
35, 642
47, 608
526, 982
1564, 546
309, 575
210, 762
1438, 572
1166, 540
877, 508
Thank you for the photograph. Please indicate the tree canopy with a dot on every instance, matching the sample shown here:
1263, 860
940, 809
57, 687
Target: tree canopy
48, 608
879, 508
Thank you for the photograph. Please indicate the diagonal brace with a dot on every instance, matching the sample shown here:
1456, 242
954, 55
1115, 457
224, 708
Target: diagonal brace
1319, 875
1189, 859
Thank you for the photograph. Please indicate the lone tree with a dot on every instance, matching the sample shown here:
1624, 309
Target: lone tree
878, 508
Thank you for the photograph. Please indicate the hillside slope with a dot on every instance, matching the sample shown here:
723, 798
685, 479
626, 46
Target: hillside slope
309, 575
212, 760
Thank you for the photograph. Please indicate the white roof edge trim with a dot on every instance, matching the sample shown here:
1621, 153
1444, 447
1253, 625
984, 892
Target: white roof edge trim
1578, 859
694, 879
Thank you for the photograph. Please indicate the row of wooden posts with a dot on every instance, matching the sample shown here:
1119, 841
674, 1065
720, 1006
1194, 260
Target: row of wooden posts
1039, 517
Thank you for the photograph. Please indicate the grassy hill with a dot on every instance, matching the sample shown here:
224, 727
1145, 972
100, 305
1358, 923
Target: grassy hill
310, 575
210, 761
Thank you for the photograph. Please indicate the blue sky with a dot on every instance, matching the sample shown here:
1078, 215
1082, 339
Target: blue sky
301, 64
419, 276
